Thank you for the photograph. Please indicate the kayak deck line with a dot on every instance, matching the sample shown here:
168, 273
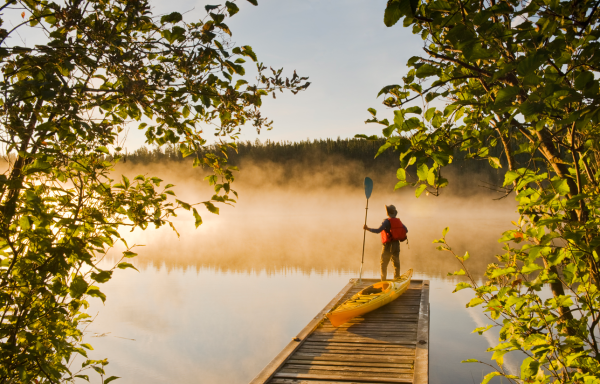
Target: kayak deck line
388, 345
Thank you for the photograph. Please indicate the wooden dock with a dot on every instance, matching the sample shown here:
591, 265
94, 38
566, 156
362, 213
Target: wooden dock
388, 345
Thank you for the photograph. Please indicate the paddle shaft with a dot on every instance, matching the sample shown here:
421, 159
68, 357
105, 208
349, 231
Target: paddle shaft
364, 238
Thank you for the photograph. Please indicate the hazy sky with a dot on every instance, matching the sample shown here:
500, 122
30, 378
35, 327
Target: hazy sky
342, 45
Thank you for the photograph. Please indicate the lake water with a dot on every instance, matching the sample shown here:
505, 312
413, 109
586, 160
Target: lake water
218, 303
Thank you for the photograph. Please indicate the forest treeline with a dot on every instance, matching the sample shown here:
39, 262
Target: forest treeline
328, 153
317, 150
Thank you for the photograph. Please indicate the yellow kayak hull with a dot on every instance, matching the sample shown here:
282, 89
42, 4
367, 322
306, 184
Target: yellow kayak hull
365, 301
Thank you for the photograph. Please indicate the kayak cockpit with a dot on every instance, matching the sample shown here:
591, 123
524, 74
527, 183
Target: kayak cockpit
377, 288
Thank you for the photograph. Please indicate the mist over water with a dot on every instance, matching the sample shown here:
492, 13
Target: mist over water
218, 303
311, 221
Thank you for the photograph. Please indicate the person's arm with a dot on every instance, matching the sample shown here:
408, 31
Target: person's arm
384, 226
406, 229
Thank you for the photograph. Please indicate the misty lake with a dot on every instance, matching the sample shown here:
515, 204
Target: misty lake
218, 303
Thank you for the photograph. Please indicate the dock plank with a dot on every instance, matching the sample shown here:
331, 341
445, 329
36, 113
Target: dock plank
323, 373
335, 368
354, 364
337, 378
342, 357
387, 345
363, 351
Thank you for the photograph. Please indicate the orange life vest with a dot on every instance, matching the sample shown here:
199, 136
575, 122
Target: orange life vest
397, 231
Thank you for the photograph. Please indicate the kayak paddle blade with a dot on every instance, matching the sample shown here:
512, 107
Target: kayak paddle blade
368, 187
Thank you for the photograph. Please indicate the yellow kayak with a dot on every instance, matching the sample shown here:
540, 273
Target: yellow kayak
369, 299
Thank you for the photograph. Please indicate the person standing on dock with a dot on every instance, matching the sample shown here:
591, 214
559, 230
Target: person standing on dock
392, 233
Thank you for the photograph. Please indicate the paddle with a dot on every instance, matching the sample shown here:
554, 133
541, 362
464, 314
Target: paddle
368, 190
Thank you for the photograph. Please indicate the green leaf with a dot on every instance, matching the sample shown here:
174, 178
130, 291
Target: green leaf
231, 8
509, 177
483, 151
461, 286
490, 376
426, 70
502, 271
42, 166
78, 287
531, 268
393, 13
102, 276
430, 113
125, 265
507, 95
401, 184
560, 301
198, 219
399, 118
109, 379
253, 2
583, 79
494, 162
531, 63
383, 148
401, 174
95, 292
431, 177
529, 368
420, 190
173, 17
211, 207
445, 231
470, 361
387, 89
530, 108
411, 124
442, 159
174, 229
561, 186
25, 223
422, 172
481, 330
413, 109
184, 205
387, 132
475, 302
499, 356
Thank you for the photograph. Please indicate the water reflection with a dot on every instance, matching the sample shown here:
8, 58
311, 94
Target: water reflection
217, 304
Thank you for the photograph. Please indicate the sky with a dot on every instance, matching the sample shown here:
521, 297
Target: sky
341, 45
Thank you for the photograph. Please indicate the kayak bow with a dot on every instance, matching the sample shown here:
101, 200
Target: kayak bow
369, 299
